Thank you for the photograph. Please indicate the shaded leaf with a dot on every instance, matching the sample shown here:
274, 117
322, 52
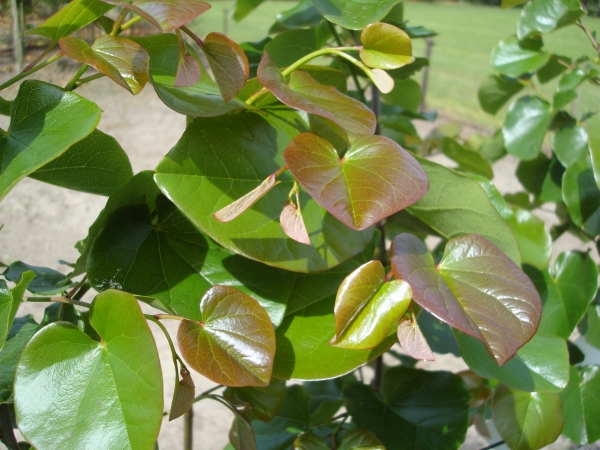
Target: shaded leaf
592, 325
293, 224
406, 94
582, 196
21, 331
551, 69
245, 7
288, 47
542, 177
46, 282
302, 15
264, 402
544, 16
580, 406
593, 131
413, 342
241, 434
234, 344
10, 300
354, 14
228, 62
473, 277
407, 71
468, 160
569, 144
115, 386
188, 70
309, 441
563, 98
495, 91
65, 312
385, 46
183, 399
5, 106
534, 239
439, 335
361, 439
525, 126
513, 58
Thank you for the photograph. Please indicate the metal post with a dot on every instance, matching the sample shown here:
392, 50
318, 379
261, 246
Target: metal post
429, 44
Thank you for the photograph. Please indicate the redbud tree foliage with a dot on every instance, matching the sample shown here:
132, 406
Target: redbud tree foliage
290, 232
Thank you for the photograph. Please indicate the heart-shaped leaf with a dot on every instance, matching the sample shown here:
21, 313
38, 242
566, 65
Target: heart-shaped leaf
375, 179
495, 91
413, 342
234, 344
513, 57
122, 60
115, 386
264, 402
366, 307
228, 62
45, 121
582, 196
23, 328
10, 300
361, 440
473, 277
354, 14
385, 47
525, 126
306, 94
580, 406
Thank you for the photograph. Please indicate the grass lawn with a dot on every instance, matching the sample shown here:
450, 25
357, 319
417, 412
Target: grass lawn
461, 54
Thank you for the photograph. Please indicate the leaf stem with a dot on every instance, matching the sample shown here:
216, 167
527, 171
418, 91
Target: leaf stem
39, 58
193, 35
168, 316
82, 81
129, 23
77, 76
176, 357
280, 171
57, 300
117, 25
206, 393
22, 75
338, 40
8, 435
73, 291
590, 36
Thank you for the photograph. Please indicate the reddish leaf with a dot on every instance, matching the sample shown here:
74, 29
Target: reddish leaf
188, 70
476, 288
375, 179
228, 62
234, 345
413, 342
292, 223
244, 203
183, 399
306, 94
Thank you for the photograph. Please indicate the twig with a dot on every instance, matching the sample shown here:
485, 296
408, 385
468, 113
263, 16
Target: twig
39, 58
193, 35
73, 291
590, 36
57, 300
76, 77
8, 435
22, 75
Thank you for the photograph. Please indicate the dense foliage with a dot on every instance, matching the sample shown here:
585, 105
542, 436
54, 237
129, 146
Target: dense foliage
298, 230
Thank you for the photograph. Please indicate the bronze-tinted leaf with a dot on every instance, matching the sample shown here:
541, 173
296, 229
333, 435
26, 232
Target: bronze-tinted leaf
306, 94
413, 342
244, 203
228, 62
234, 344
385, 46
476, 288
292, 223
183, 399
375, 179
188, 70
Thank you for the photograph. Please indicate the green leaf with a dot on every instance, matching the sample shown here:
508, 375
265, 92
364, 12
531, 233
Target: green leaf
97, 164
580, 406
47, 281
367, 307
409, 70
23, 328
228, 63
570, 144
551, 69
593, 131
467, 159
245, 7
526, 420
10, 300
567, 292
473, 277
571, 80
115, 386
541, 365
525, 126
200, 100
495, 91
77, 14
385, 47
592, 325
307, 94
534, 239
416, 409
544, 16
264, 402
406, 94
438, 334
513, 57
45, 121
375, 179
288, 47
5, 106
241, 434
309, 441
455, 205
563, 98
361, 439
257, 234
302, 15
66, 312
582, 196
510, 3
234, 344
542, 177
354, 14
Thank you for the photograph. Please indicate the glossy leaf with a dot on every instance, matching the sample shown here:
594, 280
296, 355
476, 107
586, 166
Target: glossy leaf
580, 406
23, 328
97, 164
361, 439
544, 16
66, 312
115, 386
566, 292
10, 299
495, 91
301, 15
228, 63
582, 196
541, 365
571, 80
257, 234
513, 57
551, 69
592, 325
526, 420
570, 144
367, 307
183, 399
264, 402
306, 94
375, 179
468, 160
46, 282
593, 131
473, 277
292, 223
45, 121
234, 344
354, 14
534, 239
455, 205
525, 126
309, 441
415, 409
385, 47
413, 342
77, 14
563, 98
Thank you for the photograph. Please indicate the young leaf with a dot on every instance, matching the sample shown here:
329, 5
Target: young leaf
264, 402
366, 307
309, 441
382, 80
188, 70
495, 91
413, 342
234, 344
580, 406
473, 277
582, 196
115, 386
228, 62
525, 126
354, 14
375, 179
23, 328
513, 57
292, 223
244, 203
45, 121
362, 440
10, 300
526, 420
306, 94
385, 47
183, 399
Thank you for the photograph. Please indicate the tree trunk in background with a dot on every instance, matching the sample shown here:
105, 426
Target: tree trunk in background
16, 10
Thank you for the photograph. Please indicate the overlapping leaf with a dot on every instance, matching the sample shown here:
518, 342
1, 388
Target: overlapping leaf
375, 179
570, 144
474, 277
593, 131
580, 405
183, 399
228, 62
354, 14
542, 177
188, 69
45, 121
264, 402
46, 282
582, 196
10, 299
513, 57
413, 341
309, 441
115, 386
234, 344
525, 126
385, 47
23, 328
544, 16
495, 91
467, 159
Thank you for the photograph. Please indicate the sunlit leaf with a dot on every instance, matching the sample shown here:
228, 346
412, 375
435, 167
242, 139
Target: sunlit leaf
361, 439
525, 126
534, 239
467, 159
513, 57
570, 144
385, 47
593, 131
242, 204
582, 196
544, 16
264, 402
580, 406
10, 299
354, 14
292, 223
495, 91
21, 331
413, 342
473, 277
228, 62
245, 7
234, 344
382, 80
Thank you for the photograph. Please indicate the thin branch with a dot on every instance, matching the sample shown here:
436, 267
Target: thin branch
129, 23
590, 36
82, 81
73, 291
39, 58
22, 75
117, 25
76, 77
193, 35
57, 300
176, 357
